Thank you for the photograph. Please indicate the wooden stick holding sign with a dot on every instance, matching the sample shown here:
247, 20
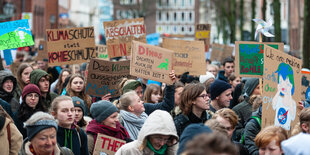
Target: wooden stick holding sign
151, 62
107, 144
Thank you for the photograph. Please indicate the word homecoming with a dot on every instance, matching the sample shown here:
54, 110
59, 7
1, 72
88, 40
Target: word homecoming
70, 34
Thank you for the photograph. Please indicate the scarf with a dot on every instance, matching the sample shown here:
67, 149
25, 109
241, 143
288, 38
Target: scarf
119, 132
6, 96
132, 122
161, 151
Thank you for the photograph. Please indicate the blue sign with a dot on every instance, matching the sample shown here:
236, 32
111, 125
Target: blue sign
153, 39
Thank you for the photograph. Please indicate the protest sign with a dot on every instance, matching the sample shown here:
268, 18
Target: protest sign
153, 39
249, 57
203, 34
70, 46
42, 51
107, 145
305, 86
102, 52
281, 88
151, 62
120, 33
15, 34
105, 76
220, 52
189, 56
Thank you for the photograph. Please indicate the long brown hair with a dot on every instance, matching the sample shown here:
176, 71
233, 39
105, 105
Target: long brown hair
60, 83
150, 89
20, 70
189, 94
87, 99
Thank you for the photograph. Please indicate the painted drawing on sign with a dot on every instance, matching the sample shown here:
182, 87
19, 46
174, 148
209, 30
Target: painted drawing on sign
283, 102
164, 65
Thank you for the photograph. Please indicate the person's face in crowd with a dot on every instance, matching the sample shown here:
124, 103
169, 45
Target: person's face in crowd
213, 70
77, 84
201, 102
177, 95
65, 113
78, 114
26, 75
139, 91
65, 74
158, 141
32, 99
229, 68
235, 82
137, 106
226, 124
224, 98
155, 96
44, 84
111, 121
8, 85
271, 149
45, 141
42, 64
256, 91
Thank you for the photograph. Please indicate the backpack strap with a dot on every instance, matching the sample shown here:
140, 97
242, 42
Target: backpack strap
8, 129
258, 120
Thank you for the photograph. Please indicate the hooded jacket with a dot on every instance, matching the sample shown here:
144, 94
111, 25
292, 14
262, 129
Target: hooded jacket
221, 76
8, 97
35, 77
159, 122
244, 109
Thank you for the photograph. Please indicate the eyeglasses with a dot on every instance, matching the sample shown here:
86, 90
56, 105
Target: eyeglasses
204, 96
169, 141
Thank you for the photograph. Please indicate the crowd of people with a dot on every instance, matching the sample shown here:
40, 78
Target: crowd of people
45, 110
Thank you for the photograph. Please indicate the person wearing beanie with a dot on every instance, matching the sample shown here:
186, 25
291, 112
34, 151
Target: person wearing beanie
189, 133
205, 78
69, 134
31, 103
106, 122
157, 136
42, 80
8, 85
80, 112
244, 109
41, 125
220, 92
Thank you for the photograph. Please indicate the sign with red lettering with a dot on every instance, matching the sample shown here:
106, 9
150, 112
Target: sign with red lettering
104, 76
42, 51
189, 56
151, 62
70, 46
120, 33
203, 34
281, 88
102, 52
107, 144
220, 52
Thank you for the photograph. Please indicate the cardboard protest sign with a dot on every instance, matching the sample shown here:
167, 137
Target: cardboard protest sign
281, 88
102, 52
120, 33
70, 46
249, 57
15, 34
189, 56
203, 34
105, 76
151, 62
42, 51
107, 144
220, 52
305, 86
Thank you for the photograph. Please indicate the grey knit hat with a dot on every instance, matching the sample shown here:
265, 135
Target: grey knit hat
102, 109
77, 102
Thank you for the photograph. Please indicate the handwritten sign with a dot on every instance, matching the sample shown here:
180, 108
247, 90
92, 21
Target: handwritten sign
42, 51
151, 62
220, 52
281, 88
105, 76
15, 34
120, 33
249, 58
102, 52
203, 34
70, 46
305, 85
107, 144
189, 56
